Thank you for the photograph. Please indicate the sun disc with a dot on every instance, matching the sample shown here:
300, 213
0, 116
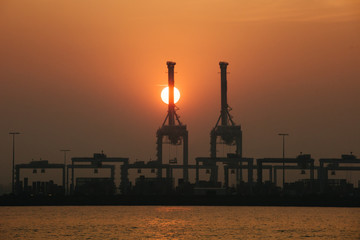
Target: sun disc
165, 95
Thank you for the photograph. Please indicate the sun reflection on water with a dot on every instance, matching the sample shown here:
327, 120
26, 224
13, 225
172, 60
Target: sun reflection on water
173, 222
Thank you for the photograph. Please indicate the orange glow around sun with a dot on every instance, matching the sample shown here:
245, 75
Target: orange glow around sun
165, 95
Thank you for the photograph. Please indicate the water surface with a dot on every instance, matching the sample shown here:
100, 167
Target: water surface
166, 222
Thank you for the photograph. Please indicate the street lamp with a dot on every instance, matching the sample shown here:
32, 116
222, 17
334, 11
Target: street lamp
283, 155
65, 150
13, 161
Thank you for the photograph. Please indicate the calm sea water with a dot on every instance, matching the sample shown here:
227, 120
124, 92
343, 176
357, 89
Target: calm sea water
163, 222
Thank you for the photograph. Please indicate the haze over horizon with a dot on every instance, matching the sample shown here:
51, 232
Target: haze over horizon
88, 76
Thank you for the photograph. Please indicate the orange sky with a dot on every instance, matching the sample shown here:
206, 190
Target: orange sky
87, 75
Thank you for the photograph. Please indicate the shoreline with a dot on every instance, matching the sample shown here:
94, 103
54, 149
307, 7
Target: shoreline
181, 200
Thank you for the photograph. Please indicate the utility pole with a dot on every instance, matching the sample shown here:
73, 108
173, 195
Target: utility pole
13, 161
67, 183
283, 155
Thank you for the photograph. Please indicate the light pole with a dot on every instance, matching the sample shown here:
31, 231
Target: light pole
65, 150
13, 161
283, 155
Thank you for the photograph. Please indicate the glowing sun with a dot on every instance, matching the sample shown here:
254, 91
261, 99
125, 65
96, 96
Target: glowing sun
165, 95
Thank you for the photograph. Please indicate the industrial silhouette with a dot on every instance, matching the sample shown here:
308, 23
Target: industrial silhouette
162, 182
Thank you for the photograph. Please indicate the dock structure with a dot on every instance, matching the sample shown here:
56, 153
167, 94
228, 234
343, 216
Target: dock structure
207, 169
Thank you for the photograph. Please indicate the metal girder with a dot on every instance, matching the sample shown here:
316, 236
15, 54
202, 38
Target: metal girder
39, 164
112, 168
177, 135
234, 162
124, 160
303, 161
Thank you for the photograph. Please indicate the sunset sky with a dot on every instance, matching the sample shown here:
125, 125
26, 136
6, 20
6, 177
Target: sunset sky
87, 75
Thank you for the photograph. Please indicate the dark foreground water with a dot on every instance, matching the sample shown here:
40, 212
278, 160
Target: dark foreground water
164, 222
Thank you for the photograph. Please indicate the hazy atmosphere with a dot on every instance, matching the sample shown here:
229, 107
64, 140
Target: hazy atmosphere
87, 76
